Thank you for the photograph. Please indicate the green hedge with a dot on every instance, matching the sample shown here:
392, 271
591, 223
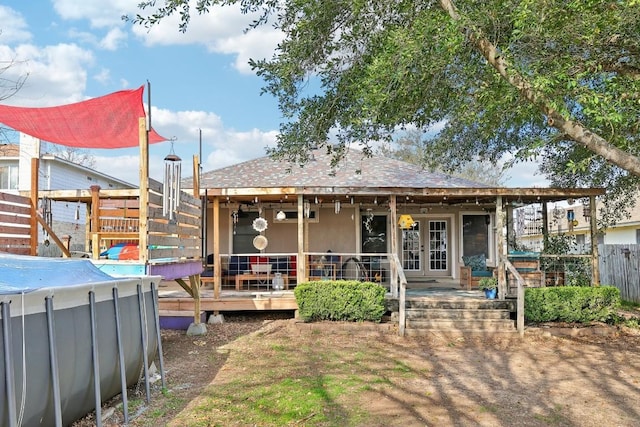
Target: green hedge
340, 300
571, 304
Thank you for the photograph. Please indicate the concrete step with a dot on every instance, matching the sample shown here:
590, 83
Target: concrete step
471, 313
459, 304
495, 325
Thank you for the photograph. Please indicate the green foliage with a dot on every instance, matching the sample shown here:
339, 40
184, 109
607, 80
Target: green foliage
340, 300
487, 283
545, 80
571, 304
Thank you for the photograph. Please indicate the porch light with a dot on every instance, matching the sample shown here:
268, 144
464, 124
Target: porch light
406, 221
171, 193
281, 216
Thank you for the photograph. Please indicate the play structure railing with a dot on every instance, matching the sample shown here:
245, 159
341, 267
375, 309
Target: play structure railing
156, 236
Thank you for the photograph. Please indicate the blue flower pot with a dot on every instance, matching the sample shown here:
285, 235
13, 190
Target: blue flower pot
490, 293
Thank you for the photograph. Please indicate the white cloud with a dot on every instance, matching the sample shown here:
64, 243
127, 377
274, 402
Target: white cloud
56, 74
220, 147
220, 31
14, 27
100, 14
104, 76
113, 40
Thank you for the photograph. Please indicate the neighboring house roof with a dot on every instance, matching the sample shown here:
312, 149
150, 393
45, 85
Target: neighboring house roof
9, 150
355, 170
12, 153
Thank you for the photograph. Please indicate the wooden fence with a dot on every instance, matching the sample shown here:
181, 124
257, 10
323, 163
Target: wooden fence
15, 220
620, 267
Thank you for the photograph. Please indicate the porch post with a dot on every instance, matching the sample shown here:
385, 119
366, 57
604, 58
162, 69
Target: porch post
501, 229
301, 263
393, 236
595, 267
217, 262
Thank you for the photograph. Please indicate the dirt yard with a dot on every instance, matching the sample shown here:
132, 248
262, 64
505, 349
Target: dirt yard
554, 376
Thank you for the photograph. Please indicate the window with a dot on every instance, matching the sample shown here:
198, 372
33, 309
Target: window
8, 177
374, 233
244, 234
292, 215
475, 235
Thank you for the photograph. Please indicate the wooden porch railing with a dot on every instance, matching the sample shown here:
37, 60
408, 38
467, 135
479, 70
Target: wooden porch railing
519, 295
402, 298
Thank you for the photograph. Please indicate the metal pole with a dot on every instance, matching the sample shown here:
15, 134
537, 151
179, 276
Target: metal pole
123, 369
143, 329
156, 315
8, 364
53, 359
94, 356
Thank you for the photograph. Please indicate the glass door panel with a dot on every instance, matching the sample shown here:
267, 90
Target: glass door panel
411, 245
438, 247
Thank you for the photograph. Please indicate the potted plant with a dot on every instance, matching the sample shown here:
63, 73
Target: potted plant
490, 287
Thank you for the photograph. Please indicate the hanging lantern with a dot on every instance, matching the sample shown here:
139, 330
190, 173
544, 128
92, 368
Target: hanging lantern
406, 221
281, 216
171, 193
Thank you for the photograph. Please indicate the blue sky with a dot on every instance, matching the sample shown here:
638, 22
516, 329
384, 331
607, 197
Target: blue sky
200, 80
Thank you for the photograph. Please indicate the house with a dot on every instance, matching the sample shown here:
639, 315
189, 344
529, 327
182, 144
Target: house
66, 217
572, 218
367, 208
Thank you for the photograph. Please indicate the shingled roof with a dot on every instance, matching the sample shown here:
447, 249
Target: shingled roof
355, 169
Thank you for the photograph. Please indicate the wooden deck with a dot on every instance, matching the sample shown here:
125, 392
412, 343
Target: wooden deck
259, 298
173, 297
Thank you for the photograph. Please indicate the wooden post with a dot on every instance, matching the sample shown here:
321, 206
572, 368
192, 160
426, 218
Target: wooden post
502, 245
393, 236
95, 221
33, 223
143, 136
217, 267
595, 267
301, 263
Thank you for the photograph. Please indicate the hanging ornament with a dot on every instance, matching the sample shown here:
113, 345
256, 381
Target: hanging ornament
171, 190
406, 221
260, 224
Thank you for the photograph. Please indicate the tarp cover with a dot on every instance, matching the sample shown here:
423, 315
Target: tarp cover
109, 121
21, 273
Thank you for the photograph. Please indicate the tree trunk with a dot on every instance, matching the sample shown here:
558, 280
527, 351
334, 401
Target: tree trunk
573, 130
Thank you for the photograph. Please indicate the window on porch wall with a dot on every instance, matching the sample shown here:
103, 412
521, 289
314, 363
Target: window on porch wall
475, 235
244, 234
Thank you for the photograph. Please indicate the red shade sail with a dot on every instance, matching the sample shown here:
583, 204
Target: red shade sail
109, 121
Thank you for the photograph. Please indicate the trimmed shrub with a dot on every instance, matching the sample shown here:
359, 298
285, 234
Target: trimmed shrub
571, 304
341, 300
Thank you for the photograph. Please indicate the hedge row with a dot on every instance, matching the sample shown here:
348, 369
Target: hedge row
340, 300
571, 304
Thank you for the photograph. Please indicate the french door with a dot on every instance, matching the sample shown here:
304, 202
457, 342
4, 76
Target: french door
425, 248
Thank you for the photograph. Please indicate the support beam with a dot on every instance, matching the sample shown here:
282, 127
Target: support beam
501, 229
301, 263
595, 267
393, 236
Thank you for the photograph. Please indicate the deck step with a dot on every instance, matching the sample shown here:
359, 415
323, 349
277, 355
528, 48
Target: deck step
458, 315
442, 313
461, 324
